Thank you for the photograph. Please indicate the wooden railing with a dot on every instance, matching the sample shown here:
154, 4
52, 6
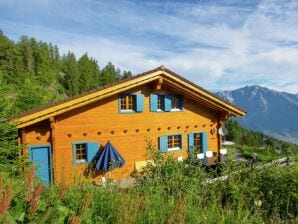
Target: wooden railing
283, 162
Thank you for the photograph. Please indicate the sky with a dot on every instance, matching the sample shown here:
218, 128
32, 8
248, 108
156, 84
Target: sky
219, 45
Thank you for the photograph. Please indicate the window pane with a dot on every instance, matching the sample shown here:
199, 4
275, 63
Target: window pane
127, 102
197, 142
160, 102
174, 141
176, 102
81, 151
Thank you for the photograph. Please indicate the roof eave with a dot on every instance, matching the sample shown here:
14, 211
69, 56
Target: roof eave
95, 95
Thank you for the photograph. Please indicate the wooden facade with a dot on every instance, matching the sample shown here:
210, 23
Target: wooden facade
97, 117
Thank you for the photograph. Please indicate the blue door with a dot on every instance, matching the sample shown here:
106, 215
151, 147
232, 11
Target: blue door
41, 158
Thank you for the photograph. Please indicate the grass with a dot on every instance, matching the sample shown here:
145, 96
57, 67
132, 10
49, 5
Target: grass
171, 192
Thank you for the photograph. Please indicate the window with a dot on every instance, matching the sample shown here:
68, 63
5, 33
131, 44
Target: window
127, 102
81, 152
197, 142
170, 143
174, 142
131, 103
176, 103
84, 152
160, 102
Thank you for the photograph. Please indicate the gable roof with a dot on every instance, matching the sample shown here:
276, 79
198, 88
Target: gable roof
171, 78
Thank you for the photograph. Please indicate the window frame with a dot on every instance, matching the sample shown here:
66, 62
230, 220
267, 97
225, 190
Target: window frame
138, 100
161, 99
92, 150
134, 101
164, 146
175, 148
204, 138
180, 98
195, 142
74, 151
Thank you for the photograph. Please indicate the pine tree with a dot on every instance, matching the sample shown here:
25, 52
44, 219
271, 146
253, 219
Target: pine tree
8, 134
27, 54
88, 73
70, 81
126, 74
110, 74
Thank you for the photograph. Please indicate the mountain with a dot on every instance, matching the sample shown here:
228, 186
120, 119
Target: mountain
272, 112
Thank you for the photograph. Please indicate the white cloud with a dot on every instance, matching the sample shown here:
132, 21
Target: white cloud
218, 46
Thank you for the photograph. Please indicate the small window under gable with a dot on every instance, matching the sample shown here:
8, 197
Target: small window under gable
170, 103
129, 103
160, 103
176, 102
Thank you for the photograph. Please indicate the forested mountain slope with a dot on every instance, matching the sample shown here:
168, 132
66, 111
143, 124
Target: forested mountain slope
34, 73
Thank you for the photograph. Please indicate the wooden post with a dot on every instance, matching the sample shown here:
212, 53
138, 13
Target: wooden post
23, 140
218, 137
159, 83
53, 143
21, 145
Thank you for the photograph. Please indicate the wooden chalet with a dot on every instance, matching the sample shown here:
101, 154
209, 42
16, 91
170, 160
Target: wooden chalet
176, 114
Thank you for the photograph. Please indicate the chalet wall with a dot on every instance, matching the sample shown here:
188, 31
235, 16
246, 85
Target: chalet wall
37, 134
101, 122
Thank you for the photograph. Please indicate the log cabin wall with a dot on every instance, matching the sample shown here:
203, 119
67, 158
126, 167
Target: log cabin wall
101, 121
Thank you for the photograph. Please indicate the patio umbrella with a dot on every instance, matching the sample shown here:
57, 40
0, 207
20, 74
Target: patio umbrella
109, 158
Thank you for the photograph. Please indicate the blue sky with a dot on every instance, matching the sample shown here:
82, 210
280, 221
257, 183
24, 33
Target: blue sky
219, 45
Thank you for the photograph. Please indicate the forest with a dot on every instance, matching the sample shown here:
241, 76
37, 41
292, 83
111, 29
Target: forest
33, 73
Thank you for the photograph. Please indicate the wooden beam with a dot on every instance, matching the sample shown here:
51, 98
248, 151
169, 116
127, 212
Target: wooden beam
53, 144
224, 115
20, 141
159, 83
23, 140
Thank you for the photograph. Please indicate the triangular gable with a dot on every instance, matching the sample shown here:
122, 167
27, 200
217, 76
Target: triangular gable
161, 73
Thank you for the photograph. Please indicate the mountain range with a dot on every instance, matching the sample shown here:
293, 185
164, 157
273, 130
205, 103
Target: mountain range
269, 111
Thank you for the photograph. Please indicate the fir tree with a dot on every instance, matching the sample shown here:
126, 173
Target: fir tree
71, 74
109, 74
88, 73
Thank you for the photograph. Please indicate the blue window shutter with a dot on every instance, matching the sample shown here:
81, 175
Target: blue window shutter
204, 140
153, 102
92, 150
168, 102
139, 102
191, 143
163, 143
